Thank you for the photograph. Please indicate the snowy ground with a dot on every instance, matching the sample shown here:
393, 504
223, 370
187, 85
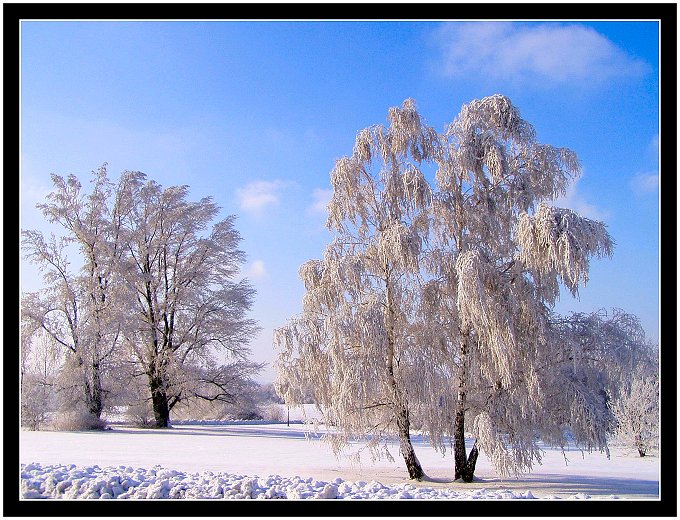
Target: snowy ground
278, 461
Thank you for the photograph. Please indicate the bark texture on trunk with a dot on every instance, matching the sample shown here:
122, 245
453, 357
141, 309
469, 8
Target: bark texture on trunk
159, 400
415, 470
640, 445
464, 464
95, 404
92, 389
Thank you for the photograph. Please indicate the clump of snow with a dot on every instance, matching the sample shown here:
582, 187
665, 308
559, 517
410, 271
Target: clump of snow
57, 481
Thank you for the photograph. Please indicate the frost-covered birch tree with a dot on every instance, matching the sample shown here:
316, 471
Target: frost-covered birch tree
353, 344
435, 306
500, 255
188, 329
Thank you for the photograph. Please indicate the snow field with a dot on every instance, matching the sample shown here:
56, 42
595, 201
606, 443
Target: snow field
76, 482
277, 461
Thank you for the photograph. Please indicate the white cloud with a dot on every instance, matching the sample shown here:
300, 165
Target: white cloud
653, 152
33, 191
320, 198
543, 54
654, 147
575, 201
255, 196
256, 270
645, 182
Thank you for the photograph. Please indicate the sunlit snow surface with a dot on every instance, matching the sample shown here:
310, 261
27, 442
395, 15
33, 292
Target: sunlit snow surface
276, 461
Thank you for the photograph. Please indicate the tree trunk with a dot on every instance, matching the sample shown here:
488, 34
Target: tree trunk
464, 465
640, 445
159, 400
415, 470
400, 407
93, 391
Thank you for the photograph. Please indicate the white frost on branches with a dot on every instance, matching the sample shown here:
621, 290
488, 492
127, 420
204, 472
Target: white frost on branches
637, 409
434, 301
352, 343
558, 243
155, 297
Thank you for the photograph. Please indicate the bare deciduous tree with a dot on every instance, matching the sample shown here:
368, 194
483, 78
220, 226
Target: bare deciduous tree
79, 308
187, 310
152, 295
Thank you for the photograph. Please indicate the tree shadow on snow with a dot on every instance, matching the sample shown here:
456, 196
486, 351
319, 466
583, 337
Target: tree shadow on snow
220, 431
575, 484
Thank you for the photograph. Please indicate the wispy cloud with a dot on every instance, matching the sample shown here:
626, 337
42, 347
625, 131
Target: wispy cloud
256, 270
544, 54
654, 147
577, 202
257, 195
320, 200
33, 191
645, 182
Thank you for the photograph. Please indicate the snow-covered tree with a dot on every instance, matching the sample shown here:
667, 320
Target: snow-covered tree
500, 255
585, 368
351, 345
188, 329
436, 304
239, 401
78, 308
637, 410
41, 360
637, 415
138, 243
59, 310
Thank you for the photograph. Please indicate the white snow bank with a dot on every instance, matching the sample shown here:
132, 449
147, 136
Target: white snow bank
124, 482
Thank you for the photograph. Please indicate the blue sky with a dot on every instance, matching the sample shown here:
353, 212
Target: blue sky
254, 114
